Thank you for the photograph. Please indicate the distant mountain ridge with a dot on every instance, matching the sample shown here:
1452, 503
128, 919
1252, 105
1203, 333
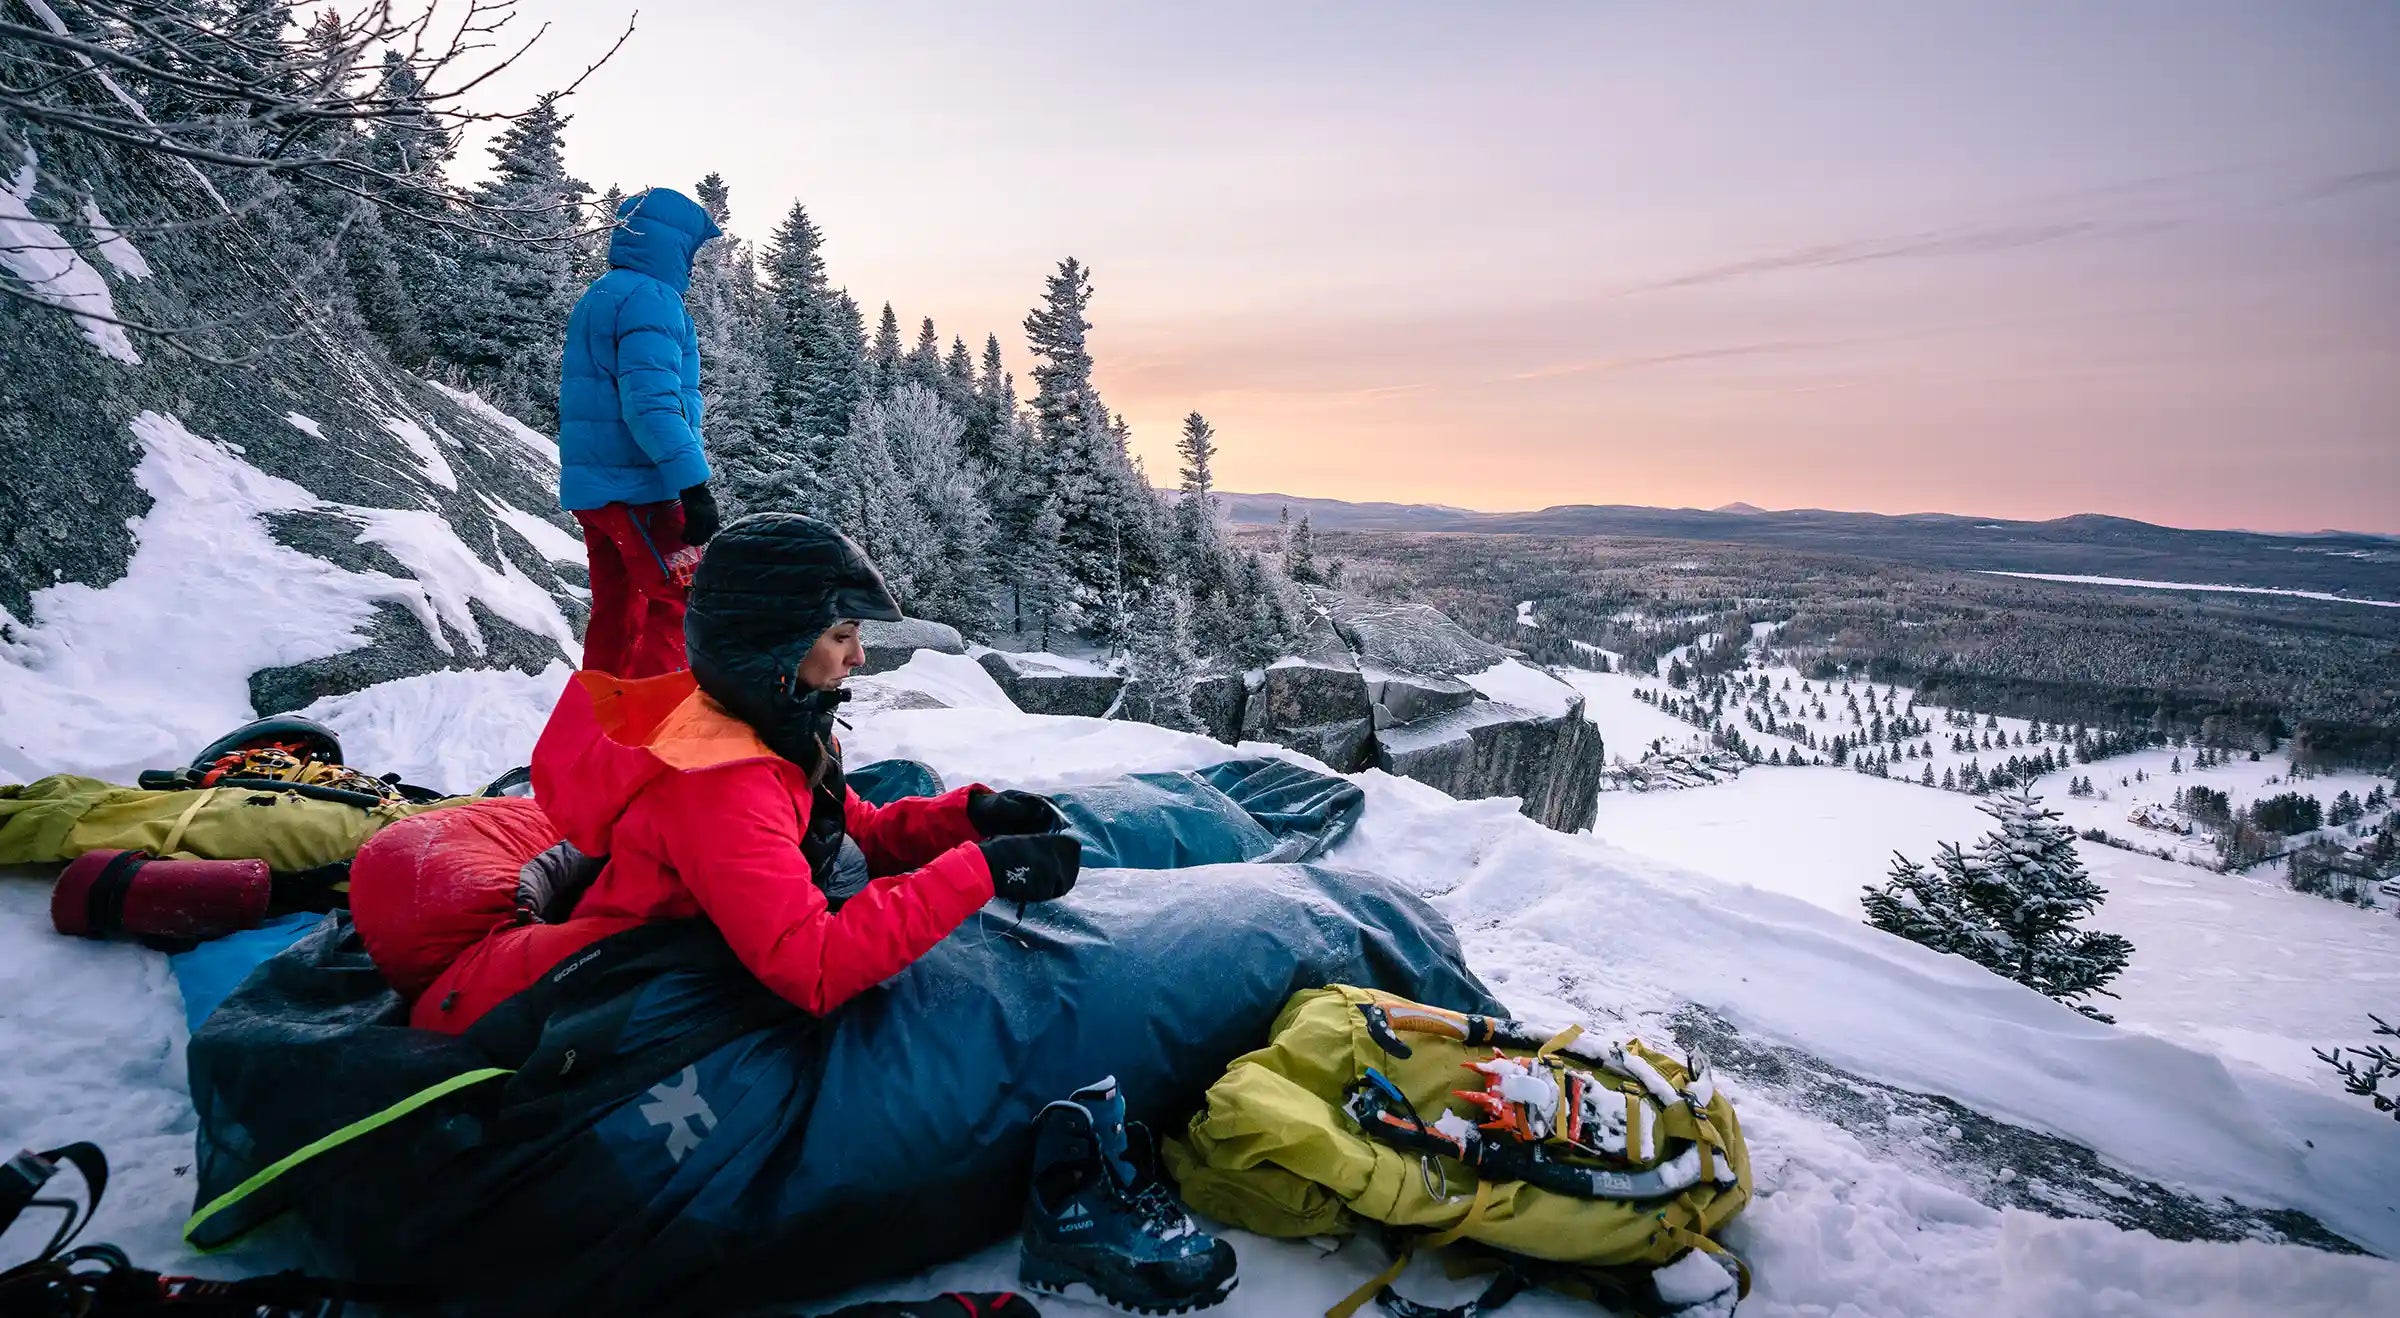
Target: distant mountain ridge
2083, 544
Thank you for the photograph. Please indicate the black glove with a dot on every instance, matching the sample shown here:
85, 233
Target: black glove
1002, 814
1033, 867
700, 519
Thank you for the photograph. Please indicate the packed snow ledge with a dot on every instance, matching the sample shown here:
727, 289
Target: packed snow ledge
1873, 1198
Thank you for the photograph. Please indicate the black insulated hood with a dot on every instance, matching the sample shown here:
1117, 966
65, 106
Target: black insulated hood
768, 586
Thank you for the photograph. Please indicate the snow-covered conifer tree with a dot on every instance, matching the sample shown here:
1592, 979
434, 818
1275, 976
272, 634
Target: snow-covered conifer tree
1163, 660
813, 353
759, 469
2014, 907
500, 330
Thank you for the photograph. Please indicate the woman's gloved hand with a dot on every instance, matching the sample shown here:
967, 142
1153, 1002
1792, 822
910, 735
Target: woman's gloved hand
1033, 867
1004, 814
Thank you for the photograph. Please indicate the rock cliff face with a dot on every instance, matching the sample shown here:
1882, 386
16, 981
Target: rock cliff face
372, 525
1465, 716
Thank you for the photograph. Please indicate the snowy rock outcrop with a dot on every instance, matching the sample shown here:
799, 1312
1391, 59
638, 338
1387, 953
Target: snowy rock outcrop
1315, 701
1405, 689
295, 519
892, 644
1465, 716
1049, 684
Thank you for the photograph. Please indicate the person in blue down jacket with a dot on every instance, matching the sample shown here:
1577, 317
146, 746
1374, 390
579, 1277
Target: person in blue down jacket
631, 467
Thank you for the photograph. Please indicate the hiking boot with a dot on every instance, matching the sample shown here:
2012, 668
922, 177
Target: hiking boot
1099, 1216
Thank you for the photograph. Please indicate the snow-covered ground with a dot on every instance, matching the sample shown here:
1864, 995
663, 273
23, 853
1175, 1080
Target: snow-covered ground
1850, 1219
2214, 964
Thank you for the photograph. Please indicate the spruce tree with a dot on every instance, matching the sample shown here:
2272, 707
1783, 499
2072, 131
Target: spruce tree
883, 357
1300, 555
757, 466
995, 407
511, 302
1163, 661
402, 261
813, 354
2013, 907
1058, 332
923, 366
949, 558
1038, 565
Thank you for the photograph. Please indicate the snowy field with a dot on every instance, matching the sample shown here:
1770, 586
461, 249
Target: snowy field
1851, 1219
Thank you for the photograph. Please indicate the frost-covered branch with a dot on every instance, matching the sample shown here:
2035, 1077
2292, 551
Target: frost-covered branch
2367, 1066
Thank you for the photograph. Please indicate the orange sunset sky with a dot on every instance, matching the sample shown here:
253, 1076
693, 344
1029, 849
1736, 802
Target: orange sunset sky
2016, 259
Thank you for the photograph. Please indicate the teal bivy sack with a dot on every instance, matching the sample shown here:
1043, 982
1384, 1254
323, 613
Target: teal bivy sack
648, 1130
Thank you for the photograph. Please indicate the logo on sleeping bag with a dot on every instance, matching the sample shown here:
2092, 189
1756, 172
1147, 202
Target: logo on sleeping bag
678, 1106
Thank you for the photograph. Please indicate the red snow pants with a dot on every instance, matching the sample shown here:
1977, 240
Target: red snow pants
636, 628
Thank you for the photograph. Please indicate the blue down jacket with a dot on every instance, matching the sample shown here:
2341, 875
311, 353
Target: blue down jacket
629, 386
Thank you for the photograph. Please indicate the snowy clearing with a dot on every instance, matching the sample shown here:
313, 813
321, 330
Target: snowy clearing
2212, 966
2194, 585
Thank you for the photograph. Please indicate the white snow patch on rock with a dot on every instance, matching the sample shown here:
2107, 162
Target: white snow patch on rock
111, 680
429, 454
452, 577
52, 270
133, 675
533, 441
956, 680
305, 425
122, 256
1513, 682
544, 535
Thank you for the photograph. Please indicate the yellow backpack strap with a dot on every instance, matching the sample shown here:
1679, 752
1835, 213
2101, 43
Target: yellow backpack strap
184, 820
1449, 1235
1677, 1223
1561, 1040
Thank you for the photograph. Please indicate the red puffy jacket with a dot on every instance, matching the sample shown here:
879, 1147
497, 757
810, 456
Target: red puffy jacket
698, 818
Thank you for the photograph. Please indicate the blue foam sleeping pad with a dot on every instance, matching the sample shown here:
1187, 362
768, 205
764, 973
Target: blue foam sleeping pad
648, 1130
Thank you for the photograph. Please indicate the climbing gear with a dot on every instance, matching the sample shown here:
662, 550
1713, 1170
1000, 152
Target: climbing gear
305, 738
99, 1281
1099, 1216
1549, 1157
109, 892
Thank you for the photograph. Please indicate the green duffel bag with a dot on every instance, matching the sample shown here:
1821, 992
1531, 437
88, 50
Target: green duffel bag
1553, 1159
56, 819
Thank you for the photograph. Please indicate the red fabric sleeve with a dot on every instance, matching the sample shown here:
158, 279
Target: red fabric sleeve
910, 832
735, 843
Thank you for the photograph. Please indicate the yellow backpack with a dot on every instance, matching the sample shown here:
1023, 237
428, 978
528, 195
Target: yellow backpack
1554, 1159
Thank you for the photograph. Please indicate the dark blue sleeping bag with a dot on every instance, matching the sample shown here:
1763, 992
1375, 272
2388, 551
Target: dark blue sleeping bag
649, 1131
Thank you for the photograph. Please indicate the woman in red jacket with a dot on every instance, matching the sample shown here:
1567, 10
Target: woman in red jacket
718, 793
